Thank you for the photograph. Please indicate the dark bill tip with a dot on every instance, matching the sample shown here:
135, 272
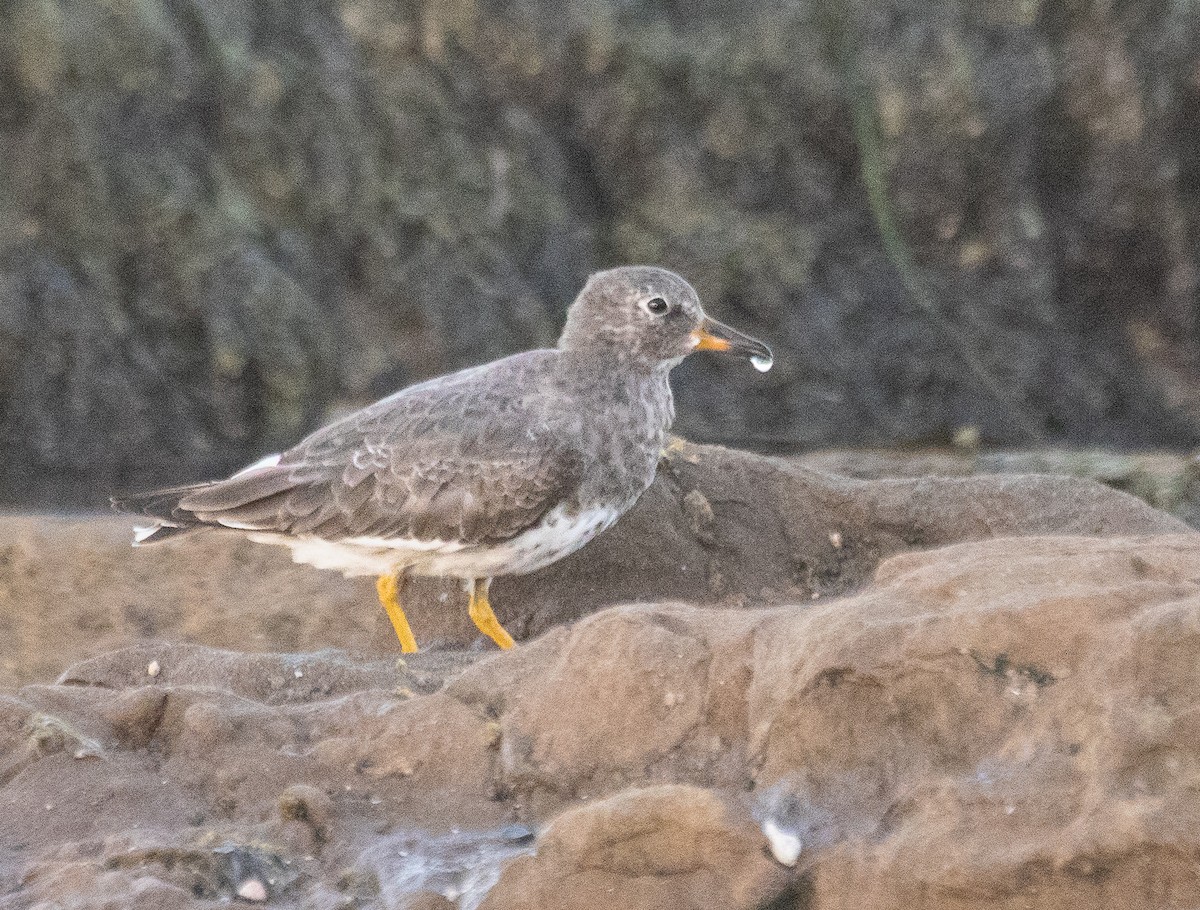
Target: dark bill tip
716, 336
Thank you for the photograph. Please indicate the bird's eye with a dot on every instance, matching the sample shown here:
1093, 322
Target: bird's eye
656, 306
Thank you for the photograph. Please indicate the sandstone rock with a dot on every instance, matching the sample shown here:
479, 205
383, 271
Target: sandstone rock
670, 847
1003, 723
1169, 481
81, 888
308, 805
426, 900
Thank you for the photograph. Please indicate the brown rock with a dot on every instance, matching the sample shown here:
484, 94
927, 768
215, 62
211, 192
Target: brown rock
1169, 481
135, 715
949, 731
997, 724
72, 588
425, 900
309, 806
78, 887
648, 680
669, 847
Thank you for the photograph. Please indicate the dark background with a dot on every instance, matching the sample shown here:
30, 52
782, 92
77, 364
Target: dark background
222, 220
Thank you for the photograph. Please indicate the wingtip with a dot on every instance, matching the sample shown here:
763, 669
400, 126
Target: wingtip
144, 532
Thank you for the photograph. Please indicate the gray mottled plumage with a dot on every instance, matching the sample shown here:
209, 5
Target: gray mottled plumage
479, 457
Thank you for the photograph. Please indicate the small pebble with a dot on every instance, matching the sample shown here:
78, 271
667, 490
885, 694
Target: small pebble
299, 674
252, 890
785, 846
153, 668
967, 437
835, 538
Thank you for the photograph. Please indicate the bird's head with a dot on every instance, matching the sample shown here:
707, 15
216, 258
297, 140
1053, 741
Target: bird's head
651, 317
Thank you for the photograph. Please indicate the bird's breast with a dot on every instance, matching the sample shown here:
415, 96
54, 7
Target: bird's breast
622, 439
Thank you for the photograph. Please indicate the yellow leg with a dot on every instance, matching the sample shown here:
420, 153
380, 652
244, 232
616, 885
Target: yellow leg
482, 615
388, 587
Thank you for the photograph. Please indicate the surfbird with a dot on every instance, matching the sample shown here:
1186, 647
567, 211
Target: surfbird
494, 470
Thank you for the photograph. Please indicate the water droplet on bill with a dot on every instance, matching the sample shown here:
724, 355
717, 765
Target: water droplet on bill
761, 363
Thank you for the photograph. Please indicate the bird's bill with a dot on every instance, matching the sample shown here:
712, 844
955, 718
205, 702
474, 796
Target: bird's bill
716, 336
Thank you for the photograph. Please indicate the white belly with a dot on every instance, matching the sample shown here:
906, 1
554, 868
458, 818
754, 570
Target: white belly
558, 535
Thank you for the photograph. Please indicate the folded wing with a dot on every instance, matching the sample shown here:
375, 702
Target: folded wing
466, 458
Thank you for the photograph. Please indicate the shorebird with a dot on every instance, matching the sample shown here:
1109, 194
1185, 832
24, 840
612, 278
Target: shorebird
494, 470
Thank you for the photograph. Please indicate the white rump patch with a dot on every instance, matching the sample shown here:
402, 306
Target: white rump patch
327, 554
406, 544
362, 555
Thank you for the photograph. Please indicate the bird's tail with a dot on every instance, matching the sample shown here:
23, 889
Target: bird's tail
162, 507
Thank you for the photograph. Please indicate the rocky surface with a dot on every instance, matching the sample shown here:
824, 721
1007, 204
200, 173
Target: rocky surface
718, 527
1004, 723
1169, 481
221, 219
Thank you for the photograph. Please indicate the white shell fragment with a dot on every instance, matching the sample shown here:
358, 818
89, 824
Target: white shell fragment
785, 846
252, 890
153, 668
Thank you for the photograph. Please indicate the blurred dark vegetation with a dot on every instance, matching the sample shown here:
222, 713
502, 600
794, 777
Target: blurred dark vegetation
220, 220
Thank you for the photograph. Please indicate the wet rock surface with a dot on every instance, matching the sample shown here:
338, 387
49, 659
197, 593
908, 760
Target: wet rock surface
1000, 723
